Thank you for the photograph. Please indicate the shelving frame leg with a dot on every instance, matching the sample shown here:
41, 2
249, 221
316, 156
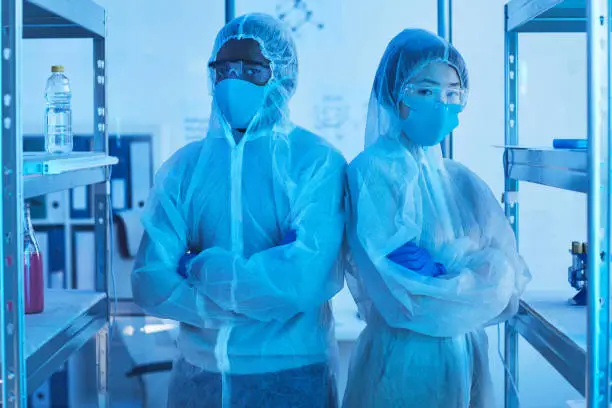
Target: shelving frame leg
101, 213
598, 313
445, 30
102, 346
511, 206
14, 374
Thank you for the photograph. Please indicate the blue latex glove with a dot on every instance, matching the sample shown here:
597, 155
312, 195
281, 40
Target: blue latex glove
289, 238
417, 259
182, 266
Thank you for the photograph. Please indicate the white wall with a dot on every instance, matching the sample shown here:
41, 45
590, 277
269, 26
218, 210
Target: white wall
157, 54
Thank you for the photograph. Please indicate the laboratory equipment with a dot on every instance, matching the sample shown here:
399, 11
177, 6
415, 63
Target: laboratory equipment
577, 273
33, 280
58, 114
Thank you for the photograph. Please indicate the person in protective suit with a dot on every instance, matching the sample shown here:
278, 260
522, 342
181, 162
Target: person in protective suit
434, 258
243, 238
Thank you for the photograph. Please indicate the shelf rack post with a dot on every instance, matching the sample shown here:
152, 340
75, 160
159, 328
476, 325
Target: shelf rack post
14, 393
101, 189
445, 30
511, 188
598, 313
102, 342
230, 10
101, 213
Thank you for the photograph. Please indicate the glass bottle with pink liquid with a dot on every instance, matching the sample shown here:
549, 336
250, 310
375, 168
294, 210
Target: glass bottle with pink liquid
33, 281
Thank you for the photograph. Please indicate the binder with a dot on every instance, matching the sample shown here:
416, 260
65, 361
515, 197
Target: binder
52, 246
118, 194
33, 143
59, 387
57, 258
84, 259
119, 147
140, 172
41, 397
38, 208
55, 207
43, 242
81, 197
82, 143
80, 202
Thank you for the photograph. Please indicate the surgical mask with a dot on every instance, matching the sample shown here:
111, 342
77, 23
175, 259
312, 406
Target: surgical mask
239, 101
428, 123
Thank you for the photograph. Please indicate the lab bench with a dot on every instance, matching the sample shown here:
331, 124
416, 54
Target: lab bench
575, 340
35, 346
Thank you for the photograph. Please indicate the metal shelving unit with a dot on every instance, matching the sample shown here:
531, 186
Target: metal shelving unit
576, 343
33, 347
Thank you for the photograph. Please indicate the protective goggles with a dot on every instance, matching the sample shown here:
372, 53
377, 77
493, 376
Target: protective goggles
256, 73
452, 96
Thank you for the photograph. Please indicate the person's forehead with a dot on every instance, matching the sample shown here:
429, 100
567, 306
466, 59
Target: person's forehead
241, 49
437, 71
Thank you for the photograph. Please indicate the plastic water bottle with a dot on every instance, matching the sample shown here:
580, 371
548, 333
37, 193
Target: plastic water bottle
58, 114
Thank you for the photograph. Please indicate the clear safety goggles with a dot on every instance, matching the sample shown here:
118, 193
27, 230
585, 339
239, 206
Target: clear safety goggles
254, 72
452, 95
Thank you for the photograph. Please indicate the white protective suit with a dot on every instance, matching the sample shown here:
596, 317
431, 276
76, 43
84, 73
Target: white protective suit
424, 345
250, 309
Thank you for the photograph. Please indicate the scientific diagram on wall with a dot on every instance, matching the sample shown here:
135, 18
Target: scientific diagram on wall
341, 123
332, 113
298, 14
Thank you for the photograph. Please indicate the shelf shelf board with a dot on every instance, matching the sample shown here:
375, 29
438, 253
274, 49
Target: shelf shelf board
44, 173
560, 168
557, 330
546, 16
70, 319
63, 19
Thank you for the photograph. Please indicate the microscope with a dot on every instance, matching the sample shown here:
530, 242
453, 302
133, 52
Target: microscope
577, 273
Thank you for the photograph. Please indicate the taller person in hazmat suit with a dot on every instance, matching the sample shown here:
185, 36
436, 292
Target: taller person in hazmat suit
434, 258
258, 204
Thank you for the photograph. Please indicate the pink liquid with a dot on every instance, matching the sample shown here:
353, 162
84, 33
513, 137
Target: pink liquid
33, 283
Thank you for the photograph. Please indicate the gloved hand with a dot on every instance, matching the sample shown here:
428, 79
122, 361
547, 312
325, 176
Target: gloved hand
182, 266
289, 238
417, 259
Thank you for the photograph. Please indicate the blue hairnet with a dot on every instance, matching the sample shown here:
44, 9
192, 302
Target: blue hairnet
406, 55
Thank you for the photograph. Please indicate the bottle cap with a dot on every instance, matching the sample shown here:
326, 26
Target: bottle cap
57, 68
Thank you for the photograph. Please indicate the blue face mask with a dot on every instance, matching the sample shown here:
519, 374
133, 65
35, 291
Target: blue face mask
239, 101
429, 123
